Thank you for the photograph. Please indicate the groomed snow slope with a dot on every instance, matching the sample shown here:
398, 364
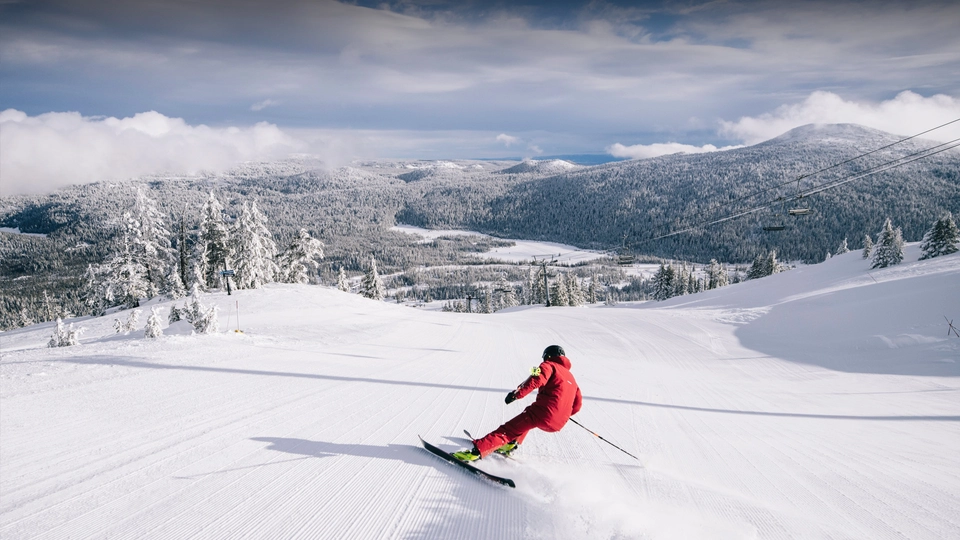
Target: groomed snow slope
820, 403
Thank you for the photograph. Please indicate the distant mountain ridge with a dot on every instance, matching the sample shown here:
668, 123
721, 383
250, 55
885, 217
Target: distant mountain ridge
596, 206
613, 205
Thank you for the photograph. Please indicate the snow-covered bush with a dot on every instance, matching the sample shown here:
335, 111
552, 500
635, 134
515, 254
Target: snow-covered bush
133, 318
153, 330
843, 247
889, 248
64, 336
204, 320
941, 239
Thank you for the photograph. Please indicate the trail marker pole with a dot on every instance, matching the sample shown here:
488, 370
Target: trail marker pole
604, 440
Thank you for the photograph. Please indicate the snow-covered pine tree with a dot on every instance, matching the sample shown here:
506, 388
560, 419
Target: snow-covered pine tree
574, 291
175, 288
299, 262
214, 241
93, 291
183, 251
133, 318
716, 275
203, 319
867, 246
559, 295
372, 286
505, 295
64, 337
126, 281
771, 265
889, 248
342, 282
540, 285
252, 249
153, 330
592, 290
151, 242
941, 239
681, 280
663, 282
758, 267
843, 247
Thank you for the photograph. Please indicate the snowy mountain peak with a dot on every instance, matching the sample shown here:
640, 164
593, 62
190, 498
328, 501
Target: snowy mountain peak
549, 166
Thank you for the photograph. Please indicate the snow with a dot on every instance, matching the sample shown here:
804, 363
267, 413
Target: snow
817, 403
16, 230
521, 251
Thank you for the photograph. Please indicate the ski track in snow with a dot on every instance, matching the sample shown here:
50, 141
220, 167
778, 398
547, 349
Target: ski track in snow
306, 425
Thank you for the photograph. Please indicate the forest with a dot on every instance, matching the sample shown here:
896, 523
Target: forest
620, 207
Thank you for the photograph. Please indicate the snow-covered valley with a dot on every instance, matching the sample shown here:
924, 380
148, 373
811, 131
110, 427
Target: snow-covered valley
823, 402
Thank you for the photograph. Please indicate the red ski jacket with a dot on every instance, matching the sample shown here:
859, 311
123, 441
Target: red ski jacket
559, 396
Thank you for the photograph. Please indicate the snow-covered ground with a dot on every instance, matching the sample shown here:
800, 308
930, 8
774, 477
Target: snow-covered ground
522, 251
819, 403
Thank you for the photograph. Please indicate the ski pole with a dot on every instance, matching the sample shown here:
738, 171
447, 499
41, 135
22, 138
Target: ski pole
604, 440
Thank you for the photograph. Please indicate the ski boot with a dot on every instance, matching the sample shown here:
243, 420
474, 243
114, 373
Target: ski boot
467, 455
507, 449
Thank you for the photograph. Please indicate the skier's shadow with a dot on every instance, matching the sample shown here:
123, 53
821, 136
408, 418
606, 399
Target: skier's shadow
402, 452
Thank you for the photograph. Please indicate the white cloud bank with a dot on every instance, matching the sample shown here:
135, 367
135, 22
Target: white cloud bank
644, 151
45, 152
906, 114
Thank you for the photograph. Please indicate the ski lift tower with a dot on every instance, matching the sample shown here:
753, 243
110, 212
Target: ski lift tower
543, 264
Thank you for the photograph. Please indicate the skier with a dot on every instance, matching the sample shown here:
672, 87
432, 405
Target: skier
558, 399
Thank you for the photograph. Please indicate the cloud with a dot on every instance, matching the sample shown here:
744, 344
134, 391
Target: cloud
42, 153
261, 105
906, 114
507, 140
644, 151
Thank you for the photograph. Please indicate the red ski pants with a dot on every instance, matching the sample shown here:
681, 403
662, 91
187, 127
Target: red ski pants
515, 429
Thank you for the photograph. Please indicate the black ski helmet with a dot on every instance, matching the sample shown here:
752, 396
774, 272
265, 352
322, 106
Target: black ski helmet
553, 350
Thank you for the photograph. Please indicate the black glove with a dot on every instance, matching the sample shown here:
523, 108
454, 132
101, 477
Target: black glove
511, 397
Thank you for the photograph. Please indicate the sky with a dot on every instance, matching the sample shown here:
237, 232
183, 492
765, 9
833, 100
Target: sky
103, 89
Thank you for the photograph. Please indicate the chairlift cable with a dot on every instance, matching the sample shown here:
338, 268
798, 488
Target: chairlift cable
894, 163
825, 169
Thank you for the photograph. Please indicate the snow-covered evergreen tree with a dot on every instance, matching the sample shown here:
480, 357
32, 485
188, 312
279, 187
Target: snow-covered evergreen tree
574, 291
214, 244
299, 262
889, 248
175, 288
126, 280
716, 275
204, 320
843, 247
152, 329
150, 243
681, 280
559, 295
771, 265
133, 319
183, 252
342, 282
540, 286
505, 295
372, 286
64, 337
593, 290
663, 287
253, 249
94, 291
867, 246
941, 239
